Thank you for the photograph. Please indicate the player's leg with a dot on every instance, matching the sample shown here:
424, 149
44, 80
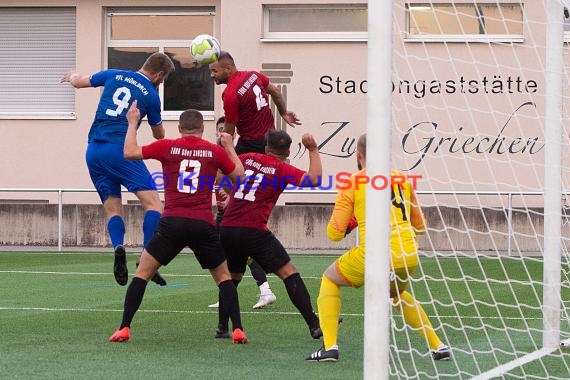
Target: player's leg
205, 244
236, 253
99, 159
219, 217
222, 330
135, 292
229, 302
299, 296
137, 179
115, 224
116, 229
231, 239
152, 210
329, 305
161, 250
266, 295
347, 270
414, 314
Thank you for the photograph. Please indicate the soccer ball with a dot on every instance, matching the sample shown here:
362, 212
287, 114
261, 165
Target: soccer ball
205, 49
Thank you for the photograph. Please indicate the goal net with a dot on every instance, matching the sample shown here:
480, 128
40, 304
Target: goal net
478, 93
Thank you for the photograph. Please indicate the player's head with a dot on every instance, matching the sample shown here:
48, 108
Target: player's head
220, 126
191, 122
278, 143
157, 67
361, 151
221, 69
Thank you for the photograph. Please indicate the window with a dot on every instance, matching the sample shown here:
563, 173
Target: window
134, 34
315, 22
38, 47
479, 22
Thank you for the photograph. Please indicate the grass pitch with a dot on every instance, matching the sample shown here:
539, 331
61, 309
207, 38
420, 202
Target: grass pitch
57, 311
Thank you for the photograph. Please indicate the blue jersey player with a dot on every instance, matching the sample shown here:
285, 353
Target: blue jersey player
107, 166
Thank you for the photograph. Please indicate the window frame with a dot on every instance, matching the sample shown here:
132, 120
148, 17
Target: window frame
159, 44
483, 38
268, 36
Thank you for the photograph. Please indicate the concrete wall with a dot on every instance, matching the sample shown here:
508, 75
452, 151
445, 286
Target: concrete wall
299, 227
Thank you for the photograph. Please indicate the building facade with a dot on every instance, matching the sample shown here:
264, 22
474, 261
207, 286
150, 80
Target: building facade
468, 115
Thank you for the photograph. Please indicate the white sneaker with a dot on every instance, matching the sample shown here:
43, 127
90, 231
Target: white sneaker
214, 305
264, 300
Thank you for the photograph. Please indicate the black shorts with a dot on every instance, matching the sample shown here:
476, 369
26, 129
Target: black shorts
173, 234
262, 246
250, 146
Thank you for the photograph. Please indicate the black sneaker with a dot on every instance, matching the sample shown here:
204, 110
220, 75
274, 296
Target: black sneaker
442, 353
323, 355
222, 332
316, 332
157, 278
120, 266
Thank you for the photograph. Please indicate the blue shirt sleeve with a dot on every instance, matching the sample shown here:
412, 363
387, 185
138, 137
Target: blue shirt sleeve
98, 79
153, 114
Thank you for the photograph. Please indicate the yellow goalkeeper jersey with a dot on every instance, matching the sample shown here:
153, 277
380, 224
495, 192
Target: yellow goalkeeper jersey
406, 217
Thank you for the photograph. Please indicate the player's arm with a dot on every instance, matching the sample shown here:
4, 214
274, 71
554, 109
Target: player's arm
229, 128
315, 172
342, 214
279, 101
223, 188
227, 142
154, 118
75, 79
158, 131
132, 150
417, 218
231, 111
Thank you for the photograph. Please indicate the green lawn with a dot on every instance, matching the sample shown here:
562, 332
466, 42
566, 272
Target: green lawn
58, 309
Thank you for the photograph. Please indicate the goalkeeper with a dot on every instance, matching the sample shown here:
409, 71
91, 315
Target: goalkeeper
348, 269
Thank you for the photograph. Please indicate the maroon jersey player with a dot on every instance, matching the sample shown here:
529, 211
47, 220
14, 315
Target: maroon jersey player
244, 231
190, 165
246, 104
247, 111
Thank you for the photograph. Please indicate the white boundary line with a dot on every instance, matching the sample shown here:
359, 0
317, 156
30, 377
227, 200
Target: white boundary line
209, 311
108, 274
212, 311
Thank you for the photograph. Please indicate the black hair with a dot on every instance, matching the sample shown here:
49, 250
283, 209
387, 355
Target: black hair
278, 142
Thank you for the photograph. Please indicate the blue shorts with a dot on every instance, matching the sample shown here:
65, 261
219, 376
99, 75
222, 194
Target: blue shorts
109, 170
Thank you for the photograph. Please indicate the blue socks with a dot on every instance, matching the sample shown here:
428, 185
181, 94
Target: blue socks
116, 229
150, 221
